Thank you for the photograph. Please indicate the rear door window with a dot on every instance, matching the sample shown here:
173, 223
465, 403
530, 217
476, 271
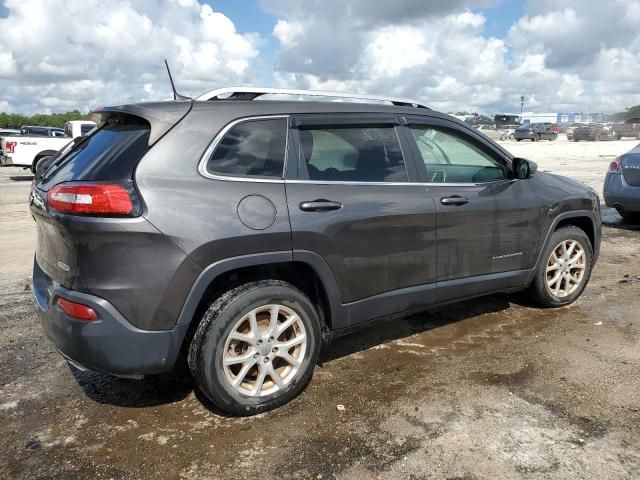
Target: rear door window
254, 148
352, 154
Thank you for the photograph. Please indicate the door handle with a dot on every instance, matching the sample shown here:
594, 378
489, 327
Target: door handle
320, 206
454, 200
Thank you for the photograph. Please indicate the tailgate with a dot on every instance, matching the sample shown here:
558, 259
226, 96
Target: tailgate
55, 244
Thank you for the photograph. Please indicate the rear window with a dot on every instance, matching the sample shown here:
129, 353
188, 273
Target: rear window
109, 154
253, 148
86, 128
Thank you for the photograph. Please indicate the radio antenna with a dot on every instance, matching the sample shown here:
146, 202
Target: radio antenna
176, 95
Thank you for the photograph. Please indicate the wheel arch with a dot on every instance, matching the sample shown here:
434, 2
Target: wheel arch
305, 270
582, 219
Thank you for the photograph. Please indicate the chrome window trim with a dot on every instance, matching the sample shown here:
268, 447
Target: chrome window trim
202, 165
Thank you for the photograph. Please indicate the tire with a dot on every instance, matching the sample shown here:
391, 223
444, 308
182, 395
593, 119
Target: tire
212, 344
503, 137
37, 162
553, 137
512, 137
518, 139
549, 294
629, 217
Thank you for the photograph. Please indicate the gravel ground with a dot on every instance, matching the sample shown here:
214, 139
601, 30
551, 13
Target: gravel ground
491, 388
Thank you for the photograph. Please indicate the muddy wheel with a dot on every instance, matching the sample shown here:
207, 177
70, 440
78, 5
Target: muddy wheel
564, 269
255, 347
512, 136
503, 137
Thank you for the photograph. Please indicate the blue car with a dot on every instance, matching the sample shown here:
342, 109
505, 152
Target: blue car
622, 184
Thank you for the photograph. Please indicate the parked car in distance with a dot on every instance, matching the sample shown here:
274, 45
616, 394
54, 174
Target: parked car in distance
283, 224
29, 151
510, 130
622, 184
38, 131
535, 132
9, 132
594, 132
628, 128
492, 132
554, 127
571, 128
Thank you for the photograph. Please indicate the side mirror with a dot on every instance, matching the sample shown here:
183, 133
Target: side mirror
523, 168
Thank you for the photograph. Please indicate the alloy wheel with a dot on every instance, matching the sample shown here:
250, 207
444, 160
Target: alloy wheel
265, 350
566, 268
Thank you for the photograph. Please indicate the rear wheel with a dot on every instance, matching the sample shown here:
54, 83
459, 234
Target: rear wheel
565, 268
37, 163
503, 137
256, 347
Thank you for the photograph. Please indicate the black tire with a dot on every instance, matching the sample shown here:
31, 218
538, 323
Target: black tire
630, 217
518, 139
539, 289
217, 323
37, 162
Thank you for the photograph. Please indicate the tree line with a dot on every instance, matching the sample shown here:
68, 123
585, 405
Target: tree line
14, 120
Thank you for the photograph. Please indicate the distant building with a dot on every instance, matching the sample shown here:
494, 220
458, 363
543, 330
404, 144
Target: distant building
553, 117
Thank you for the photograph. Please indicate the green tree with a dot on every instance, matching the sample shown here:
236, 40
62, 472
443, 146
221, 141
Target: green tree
13, 120
633, 112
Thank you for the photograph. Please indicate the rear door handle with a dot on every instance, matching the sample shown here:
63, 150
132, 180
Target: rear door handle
320, 206
454, 200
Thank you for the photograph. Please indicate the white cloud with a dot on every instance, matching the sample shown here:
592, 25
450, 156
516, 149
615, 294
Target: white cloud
57, 54
561, 54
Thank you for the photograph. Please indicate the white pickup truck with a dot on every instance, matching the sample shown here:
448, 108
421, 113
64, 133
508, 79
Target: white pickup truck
27, 151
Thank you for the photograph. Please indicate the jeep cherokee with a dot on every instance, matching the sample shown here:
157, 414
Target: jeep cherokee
241, 234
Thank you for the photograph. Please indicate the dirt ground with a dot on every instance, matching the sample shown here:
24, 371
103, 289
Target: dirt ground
487, 389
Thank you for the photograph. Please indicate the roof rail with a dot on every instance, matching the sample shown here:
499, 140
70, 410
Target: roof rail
251, 93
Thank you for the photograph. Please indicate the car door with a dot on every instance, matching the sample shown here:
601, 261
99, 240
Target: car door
359, 205
487, 223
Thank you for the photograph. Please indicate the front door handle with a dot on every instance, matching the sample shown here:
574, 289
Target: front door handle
320, 206
454, 200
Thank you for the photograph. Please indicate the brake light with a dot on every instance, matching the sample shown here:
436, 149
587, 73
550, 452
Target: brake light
77, 310
91, 199
10, 146
615, 165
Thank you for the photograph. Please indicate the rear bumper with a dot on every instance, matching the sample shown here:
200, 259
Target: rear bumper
5, 161
110, 344
617, 193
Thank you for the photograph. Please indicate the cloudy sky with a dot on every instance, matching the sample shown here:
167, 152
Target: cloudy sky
476, 55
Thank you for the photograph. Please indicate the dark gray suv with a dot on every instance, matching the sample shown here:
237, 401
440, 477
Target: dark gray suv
241, 234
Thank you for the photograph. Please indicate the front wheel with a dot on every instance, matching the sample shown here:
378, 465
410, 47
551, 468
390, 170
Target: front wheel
256, 347
565, 268
503, 137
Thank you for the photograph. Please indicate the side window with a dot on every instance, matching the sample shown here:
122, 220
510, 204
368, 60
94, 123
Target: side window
251, 148
353, 154
450, 158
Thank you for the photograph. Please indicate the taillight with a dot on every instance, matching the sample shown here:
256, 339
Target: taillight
77, 310
10, 146
91, 199
615, 165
